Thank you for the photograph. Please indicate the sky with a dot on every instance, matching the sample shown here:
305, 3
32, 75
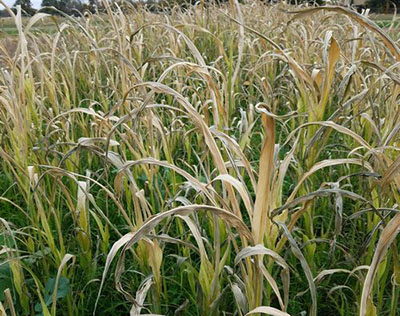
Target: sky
35, 3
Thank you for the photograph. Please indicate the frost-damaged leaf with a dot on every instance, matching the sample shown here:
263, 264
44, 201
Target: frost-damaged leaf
327, 163
324, 273
339, 211
340, 287
89, 111
194, 229
261, 208
2, 309
64, 261
240, 298
9, 302
345, 82
34, 19
261, 250
151, 161
332, 59
387, 237
130, 239
140, 297
306, 268
298, 70
235, 147
392, 172
239, 186
268, 310
318, 193
87, 141
240, 44
114, 249
364, 21
337, 127
201, 126
273, 284
283, 169
167, 238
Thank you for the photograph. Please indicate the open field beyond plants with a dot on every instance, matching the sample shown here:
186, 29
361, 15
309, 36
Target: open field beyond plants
223, 160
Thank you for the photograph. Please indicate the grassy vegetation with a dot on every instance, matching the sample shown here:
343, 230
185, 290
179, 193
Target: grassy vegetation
45, 25
386, 21
215, 161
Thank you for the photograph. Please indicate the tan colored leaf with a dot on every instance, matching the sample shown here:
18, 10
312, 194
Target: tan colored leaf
130, 239
268, 310
327, 163
262, 205
306, 268
387, 237
64, 261
364, 21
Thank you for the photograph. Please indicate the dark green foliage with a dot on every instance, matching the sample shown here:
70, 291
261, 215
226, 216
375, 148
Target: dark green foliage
385, 6
63, 288
71, 7
4, 13
95, 5
26, 7
5, 278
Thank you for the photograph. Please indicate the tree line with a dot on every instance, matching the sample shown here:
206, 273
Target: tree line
70, 7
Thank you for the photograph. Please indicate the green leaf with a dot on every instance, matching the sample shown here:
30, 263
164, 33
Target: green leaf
5, 279
62, 291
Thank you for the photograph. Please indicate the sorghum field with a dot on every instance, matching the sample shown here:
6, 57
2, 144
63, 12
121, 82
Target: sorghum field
215, 160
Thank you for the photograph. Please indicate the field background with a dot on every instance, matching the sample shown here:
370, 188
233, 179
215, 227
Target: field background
229, 160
